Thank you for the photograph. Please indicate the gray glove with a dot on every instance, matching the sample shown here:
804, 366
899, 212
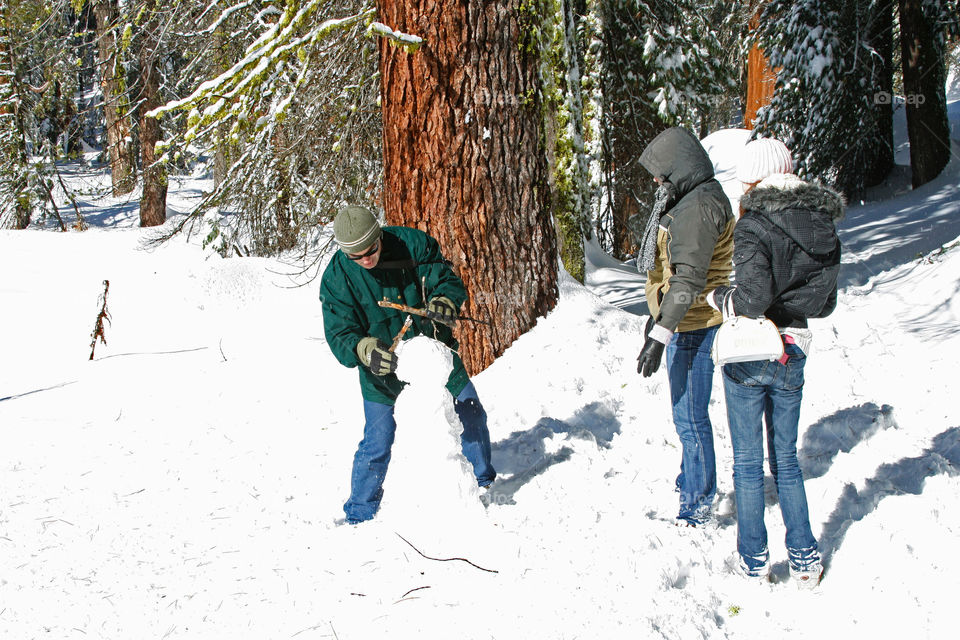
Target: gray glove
442, 310
375, 354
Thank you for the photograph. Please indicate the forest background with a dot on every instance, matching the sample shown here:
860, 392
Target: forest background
509, 130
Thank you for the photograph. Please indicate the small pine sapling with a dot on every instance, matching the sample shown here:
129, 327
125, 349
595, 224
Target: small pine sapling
98, 325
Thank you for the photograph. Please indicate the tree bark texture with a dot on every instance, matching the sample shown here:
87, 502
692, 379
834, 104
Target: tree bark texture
924, 81
464, 160
880, 35
116, 107
153, 200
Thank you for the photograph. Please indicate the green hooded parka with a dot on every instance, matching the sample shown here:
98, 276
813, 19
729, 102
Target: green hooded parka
411, 271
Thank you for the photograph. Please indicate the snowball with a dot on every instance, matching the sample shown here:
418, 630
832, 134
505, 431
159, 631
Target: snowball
424, 361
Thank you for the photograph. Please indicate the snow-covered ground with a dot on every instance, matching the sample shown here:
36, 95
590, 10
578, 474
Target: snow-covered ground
187, 482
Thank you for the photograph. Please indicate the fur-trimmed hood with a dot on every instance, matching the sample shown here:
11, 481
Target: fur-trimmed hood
786, 192
791, 225
804, 211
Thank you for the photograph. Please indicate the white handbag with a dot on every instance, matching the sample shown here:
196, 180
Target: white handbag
743, 339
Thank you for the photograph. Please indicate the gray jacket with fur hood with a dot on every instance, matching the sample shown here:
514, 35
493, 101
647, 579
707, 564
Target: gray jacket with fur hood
786, 251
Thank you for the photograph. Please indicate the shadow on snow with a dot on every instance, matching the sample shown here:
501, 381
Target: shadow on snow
523, 455
905, 477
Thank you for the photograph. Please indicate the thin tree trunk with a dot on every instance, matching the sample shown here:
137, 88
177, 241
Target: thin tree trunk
116, 107
881, 40
464, 160
924, 79
153, 201
17, 151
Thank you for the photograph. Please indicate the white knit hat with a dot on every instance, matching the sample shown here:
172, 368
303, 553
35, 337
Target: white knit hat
761, 158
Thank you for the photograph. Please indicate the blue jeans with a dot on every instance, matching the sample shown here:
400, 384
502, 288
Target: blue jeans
690, 371
768, 391
373, 453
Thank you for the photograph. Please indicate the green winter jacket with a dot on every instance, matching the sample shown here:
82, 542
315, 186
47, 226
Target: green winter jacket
695, 240
410, 260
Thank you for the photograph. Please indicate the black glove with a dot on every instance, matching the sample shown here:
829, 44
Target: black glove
646, 330
375, 354
442, 310
650, 356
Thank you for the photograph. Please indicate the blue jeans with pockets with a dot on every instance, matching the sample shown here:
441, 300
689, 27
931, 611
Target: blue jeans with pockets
758, 392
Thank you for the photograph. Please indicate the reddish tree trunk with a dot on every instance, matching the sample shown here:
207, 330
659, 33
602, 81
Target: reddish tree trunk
761, 79
464, 160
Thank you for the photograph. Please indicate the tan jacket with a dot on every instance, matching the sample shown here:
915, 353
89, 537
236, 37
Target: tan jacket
699, 315
695, 241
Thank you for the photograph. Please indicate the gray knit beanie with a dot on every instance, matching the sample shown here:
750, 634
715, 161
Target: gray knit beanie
355, 229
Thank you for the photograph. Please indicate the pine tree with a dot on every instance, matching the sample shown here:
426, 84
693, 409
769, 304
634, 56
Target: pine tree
153, 196
833, 89
824, 105
38, 113
291, 114
21, 194
662, 65
565, 128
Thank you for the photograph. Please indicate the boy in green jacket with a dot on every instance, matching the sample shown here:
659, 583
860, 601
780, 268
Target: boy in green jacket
405, 266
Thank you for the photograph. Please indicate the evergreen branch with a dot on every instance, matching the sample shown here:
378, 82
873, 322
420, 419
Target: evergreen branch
269, 51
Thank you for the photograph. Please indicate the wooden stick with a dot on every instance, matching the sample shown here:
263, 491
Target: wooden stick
408, 309
424, 313
399, 336
445, 559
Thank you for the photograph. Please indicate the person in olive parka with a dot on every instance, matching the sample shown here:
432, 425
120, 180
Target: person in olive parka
686, 250
405, 266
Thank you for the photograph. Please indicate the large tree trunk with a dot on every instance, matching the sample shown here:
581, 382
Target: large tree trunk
880, 37
464, 160
153, 200
116, 106
924, 80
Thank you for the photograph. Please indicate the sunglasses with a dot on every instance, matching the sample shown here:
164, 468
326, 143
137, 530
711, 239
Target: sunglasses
360, 256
